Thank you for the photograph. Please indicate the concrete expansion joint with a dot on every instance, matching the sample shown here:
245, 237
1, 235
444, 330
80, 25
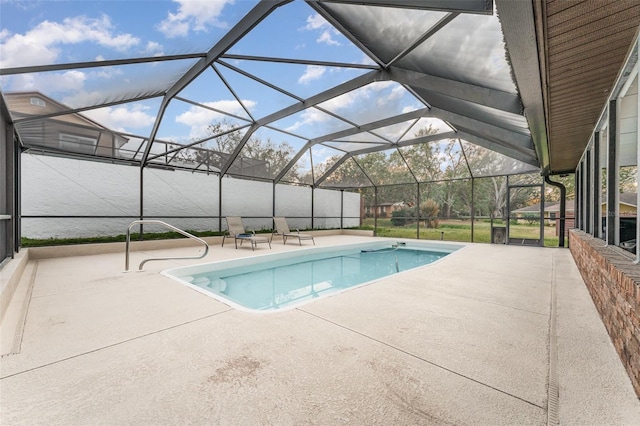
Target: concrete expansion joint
114, 344
421, 359
553, 388
477, 299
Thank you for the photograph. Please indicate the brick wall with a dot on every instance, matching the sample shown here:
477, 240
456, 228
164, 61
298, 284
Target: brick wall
614, 283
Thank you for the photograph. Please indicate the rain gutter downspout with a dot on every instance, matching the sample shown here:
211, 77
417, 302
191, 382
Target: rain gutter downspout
563, 207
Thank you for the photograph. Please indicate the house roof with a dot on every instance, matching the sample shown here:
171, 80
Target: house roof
16, 108
629, 198
582, 45
569, 207
535, 208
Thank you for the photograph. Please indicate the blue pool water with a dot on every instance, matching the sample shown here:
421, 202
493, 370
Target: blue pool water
284, 280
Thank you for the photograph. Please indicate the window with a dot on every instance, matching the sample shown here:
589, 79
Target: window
37, 102
76, 143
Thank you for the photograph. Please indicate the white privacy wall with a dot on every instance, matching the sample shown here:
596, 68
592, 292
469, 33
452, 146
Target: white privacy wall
249, 199
66, 187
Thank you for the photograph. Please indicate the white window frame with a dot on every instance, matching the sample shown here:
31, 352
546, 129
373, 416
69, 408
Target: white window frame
76, 143
39, 102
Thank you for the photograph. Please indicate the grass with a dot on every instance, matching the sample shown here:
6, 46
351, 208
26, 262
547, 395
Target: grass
460, 230
449, 230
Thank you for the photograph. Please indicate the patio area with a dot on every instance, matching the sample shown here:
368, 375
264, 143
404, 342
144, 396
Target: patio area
491, 334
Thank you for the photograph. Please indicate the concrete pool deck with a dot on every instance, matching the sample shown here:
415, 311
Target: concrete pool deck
489, 335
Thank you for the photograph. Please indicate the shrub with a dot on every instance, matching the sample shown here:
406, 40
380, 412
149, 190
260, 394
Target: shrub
402, 217
430, 210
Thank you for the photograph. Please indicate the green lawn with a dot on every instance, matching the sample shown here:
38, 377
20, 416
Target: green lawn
460, 230
448, 230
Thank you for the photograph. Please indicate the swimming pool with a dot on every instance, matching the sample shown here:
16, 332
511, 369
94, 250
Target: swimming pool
281, 281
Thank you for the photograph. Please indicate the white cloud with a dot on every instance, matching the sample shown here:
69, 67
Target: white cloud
309, 116
322, 153
318, 23
363, 105
123, 117
364, 94
174, 27
313, 72
106, 73
200, 118
193, 15
325, 37
41, 45
410, 108
4, 33
81, 98
344, 101
69, 80
154, 49
395, 94
315, 22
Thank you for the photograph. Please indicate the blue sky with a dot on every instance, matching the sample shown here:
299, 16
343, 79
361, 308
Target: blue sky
48, 32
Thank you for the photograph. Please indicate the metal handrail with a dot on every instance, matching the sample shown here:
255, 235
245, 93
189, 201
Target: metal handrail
159, 222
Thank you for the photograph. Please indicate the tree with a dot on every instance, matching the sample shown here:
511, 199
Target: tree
423, 158
569, 182
455, 166
257, 158
628, 179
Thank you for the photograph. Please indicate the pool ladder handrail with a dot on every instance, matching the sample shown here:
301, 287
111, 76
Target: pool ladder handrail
159, 222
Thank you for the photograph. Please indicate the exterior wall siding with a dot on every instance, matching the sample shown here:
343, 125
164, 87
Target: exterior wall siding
613, 281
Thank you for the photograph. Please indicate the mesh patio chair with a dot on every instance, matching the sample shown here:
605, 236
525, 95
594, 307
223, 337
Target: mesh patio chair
235, 230
281, 228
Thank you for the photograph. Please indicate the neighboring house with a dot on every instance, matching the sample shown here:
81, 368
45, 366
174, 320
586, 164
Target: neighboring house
628, 216
71, 132
569, 222
384, 209
533, 211
628, 213
628, 204
628, 207
554, 210
551, 214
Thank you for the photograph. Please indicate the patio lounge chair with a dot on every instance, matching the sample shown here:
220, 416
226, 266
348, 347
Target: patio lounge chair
281, 228
235, 230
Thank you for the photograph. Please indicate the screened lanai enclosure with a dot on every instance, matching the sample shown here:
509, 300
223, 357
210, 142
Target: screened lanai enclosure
421, 119
495, 124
